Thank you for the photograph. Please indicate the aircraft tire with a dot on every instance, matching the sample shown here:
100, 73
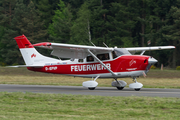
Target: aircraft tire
91, 88
137, 89
120, 88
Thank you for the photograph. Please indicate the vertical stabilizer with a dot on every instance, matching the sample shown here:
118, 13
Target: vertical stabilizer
23, 42
30, 55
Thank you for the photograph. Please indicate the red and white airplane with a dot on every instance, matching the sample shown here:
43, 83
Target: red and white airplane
89, 61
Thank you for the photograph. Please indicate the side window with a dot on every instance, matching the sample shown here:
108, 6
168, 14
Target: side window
106, 56
114, 54
90, 59
80, 60
103, 56
100, 56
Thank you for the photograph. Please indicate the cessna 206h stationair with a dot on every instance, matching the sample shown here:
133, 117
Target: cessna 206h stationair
89, 61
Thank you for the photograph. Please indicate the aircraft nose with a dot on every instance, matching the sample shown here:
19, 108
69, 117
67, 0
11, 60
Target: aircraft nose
152, 61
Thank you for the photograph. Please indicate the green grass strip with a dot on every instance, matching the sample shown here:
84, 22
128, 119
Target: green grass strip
32, 106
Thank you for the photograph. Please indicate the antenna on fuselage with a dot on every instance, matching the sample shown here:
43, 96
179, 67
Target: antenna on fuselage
90, 39
105, 45
92, 43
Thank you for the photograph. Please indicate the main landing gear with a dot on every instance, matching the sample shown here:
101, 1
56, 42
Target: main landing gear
91, 88
136, 85
91, 85
119, 84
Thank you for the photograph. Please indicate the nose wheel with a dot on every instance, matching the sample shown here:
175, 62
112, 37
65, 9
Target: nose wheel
91, 88
137, 89
136, 85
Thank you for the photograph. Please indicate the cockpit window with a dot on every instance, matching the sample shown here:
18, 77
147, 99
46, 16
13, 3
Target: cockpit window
120, 51
114, 54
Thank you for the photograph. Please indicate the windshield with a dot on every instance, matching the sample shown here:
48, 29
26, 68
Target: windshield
120, 51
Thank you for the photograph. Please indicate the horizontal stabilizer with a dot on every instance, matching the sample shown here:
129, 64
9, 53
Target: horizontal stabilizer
36, 66
46, 45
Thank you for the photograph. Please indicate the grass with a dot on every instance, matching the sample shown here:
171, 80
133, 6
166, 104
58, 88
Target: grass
155, 78
33, 106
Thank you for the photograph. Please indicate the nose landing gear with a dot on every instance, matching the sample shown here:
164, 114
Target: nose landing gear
136, 85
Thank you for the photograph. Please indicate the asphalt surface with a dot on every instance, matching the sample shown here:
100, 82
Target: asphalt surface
100, 91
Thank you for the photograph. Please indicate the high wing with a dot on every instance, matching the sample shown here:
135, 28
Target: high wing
72, 51
138, 49
81, 51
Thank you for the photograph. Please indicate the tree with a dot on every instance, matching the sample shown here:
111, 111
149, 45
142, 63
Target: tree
60, 28
171, 32
27, 20
24, 20
98, 22
7, 45
157, 24
120, 26
45, 12
80, 31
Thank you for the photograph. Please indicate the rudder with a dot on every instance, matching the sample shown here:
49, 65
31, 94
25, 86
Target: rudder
30, 55
23, 42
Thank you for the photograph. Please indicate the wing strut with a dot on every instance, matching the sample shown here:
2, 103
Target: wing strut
142, 52
114, 74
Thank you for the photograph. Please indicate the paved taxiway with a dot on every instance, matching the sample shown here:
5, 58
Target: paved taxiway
101, 91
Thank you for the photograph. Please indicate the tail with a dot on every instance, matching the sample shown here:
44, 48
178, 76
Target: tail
30, 55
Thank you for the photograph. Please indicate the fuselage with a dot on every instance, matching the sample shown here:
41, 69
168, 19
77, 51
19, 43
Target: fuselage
123, 66
89, 61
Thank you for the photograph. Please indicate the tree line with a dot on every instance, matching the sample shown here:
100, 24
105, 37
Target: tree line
120, 23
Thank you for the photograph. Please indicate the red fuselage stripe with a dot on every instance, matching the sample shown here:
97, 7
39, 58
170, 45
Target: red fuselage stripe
126, 63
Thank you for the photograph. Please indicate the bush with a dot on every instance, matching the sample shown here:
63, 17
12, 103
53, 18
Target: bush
178, 68
153, 67
2, 64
